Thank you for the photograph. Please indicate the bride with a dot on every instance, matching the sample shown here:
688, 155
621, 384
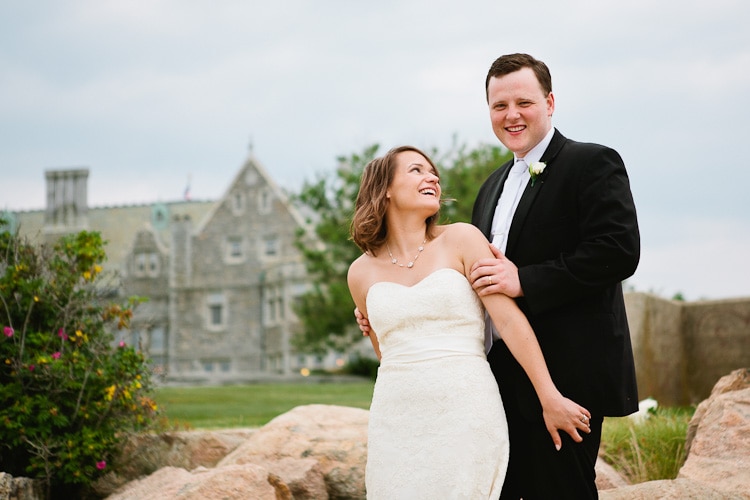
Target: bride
437, 426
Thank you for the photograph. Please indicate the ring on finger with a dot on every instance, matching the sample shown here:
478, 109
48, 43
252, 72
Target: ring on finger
489, 278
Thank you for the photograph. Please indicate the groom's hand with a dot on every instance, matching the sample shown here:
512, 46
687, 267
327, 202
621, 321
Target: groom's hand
498, 275
362, 322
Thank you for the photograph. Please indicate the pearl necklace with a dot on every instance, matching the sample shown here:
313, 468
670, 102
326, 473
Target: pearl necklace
394, 260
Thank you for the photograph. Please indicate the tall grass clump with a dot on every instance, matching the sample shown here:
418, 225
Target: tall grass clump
650, 449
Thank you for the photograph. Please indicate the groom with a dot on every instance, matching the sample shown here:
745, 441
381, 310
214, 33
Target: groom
567, 237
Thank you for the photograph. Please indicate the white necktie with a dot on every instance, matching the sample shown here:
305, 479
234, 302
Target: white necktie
508, 202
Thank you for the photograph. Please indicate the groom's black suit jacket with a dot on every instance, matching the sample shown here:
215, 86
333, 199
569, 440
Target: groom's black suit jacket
574, 238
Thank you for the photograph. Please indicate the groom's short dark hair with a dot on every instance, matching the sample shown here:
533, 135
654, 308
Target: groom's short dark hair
511, 63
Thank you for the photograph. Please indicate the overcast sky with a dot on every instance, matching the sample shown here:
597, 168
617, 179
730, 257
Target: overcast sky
151, 95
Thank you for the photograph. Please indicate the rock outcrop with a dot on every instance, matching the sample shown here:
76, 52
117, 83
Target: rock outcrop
718, 444
318, 452
314, 452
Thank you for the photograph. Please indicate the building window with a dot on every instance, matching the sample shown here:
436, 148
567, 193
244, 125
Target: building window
234, 249
140, 265
238, 203
147, 265
274, 305
271, 246
159, 216
153, 265
251, 177
158, 340
265, 201
216, 312
216, 365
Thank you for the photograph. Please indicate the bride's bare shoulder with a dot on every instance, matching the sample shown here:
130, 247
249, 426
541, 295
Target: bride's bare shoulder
359, 266
461, 230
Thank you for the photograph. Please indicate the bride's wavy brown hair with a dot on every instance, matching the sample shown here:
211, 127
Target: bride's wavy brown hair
368, 228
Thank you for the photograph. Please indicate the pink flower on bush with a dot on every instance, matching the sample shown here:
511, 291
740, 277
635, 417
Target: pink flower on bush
101, 465
8, 331
31, 368
61, 333
56, 355
122, 344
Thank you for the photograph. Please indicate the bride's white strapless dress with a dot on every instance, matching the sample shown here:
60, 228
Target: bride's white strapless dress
437, 426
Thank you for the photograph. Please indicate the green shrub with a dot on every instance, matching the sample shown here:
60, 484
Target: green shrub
363, 366
68, 394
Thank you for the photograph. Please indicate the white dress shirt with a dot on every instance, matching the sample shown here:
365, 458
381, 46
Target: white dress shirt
513, 188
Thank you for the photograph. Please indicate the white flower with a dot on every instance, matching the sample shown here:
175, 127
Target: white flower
535, 170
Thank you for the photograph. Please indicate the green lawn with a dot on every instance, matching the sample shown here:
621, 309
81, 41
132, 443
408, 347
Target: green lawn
212, 407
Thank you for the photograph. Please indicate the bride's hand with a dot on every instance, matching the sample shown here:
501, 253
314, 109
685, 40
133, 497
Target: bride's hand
566, 415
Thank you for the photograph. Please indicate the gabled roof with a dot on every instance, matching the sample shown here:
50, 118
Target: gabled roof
253, 164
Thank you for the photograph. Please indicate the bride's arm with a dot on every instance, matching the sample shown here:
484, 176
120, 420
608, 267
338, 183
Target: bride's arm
359, 293
559, 412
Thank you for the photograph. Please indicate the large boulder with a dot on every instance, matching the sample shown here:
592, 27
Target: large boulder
607, 477
313, 452
232, 482
666, 489
719, 447
20, 488
334, 436
738, 380
144, 454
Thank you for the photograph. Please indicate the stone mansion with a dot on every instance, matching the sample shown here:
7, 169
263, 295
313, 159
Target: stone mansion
221, 276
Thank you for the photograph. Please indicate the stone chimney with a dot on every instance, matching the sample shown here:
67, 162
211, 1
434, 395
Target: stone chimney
67, 202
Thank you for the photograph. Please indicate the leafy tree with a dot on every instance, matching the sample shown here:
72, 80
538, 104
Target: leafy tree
67, 394
462, 172
326, 310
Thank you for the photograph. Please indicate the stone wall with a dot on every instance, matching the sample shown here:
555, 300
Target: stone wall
682, 348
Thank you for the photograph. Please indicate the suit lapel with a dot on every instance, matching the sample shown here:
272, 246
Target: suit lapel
530, 193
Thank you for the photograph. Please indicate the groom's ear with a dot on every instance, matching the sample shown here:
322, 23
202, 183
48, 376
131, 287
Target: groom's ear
550, 104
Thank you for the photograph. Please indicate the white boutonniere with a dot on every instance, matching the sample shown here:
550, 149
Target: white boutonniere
535, 170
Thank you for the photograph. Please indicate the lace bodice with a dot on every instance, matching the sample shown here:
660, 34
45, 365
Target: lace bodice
420, 319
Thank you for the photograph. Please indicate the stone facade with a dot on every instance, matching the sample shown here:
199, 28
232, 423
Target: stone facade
220, 276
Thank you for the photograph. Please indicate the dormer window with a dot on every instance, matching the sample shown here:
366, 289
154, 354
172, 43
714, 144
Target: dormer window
265, 201
146, 265
237, 202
